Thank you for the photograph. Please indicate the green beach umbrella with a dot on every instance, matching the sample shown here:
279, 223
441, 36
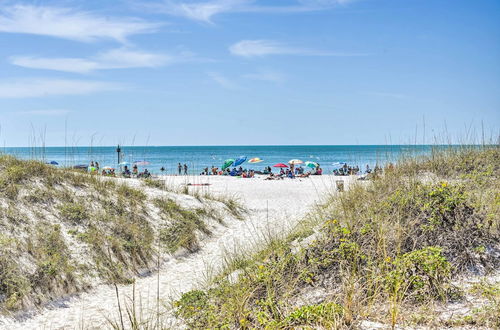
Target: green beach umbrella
227, 163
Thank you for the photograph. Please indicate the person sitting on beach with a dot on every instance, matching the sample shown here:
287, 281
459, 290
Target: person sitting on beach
368, 170
270, 177
290, 174
319, 171
126, 172
135, 170
306, 175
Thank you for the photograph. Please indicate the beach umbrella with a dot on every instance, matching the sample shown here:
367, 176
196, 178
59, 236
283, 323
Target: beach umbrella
227, 163
311, 164
338, 164
280, 165
107, 168
141, 163
295, 162
240, 160
255, 160
124, 164
53, 162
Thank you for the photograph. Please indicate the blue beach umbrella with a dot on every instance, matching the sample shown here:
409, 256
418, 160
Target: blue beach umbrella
53, 162
240, 160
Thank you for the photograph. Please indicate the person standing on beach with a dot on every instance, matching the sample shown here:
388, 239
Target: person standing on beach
185, 169
179, 167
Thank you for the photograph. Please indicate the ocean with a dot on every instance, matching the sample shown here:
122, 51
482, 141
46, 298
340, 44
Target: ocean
199, 157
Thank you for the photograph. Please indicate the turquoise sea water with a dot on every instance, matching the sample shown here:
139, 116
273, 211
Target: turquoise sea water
199, 157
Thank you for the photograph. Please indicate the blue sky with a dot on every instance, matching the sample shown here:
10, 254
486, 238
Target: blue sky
230, 72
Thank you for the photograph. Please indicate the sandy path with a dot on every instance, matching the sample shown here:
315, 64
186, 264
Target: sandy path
274, 206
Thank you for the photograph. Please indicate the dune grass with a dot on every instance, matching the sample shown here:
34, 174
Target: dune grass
382, 251
62, 231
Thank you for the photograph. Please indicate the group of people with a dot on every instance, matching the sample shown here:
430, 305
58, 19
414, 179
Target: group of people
182, 167
213, 171
135, 172
292, 172
355, 170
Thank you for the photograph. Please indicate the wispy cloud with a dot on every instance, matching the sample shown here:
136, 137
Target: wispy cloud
204, 11
120, 58
223, 81
50, 112
266, 75
69, 24
259, 48
26, 88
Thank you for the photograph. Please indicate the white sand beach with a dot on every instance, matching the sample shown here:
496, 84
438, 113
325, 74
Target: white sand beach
274, 207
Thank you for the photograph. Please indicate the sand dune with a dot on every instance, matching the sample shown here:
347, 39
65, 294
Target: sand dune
274, 207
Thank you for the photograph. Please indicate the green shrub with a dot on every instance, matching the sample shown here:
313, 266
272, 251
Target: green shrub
194, 308
420, 274
324, 314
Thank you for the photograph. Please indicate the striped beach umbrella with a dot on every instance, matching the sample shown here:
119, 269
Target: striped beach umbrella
255, 160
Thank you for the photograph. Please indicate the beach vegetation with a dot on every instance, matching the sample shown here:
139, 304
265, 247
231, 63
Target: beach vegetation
65, 230
384, 250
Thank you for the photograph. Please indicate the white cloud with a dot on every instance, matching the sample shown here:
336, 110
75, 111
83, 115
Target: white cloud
25, 88
204, 10
223, 81
259, 48
69, 24
120, 58
265, 75
51, 112
250, 48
